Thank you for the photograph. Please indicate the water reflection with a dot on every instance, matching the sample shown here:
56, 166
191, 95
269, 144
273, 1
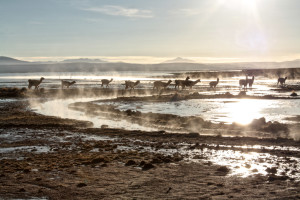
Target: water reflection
60, 108
242, 111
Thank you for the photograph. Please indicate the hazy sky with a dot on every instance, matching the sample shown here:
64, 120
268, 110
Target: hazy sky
204, 30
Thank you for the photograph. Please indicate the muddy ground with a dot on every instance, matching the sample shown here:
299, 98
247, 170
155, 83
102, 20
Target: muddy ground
52, 158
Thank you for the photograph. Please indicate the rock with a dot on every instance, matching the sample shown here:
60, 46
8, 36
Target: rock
227, 94
156, 161
26, 170
128, 112
275, 127
223, 169
104, 126
130, 162
294, 94
164, 159
258, 123
98, 160
147, 166
81, 185
272, 170
193, 135
273, 177
142, 163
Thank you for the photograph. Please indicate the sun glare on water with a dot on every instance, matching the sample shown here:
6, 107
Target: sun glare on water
244, 111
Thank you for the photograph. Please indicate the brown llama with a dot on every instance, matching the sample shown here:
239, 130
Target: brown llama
213, 84
105, 82
251, 81
67, 84
160, 84
190, 84
281, 81
181, 82
131, 84
243, 82
35, 83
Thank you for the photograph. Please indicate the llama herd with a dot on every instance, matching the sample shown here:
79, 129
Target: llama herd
157, 84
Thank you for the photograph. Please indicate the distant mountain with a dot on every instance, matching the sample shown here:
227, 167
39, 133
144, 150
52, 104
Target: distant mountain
179, 60
11, 61
83, 60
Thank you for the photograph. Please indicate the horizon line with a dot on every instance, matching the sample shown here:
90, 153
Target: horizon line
156, 59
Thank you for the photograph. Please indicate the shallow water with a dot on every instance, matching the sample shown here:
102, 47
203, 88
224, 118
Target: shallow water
227, 111
241, 111
60, 108
242, 163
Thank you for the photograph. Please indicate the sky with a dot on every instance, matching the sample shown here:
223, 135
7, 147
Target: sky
144, 31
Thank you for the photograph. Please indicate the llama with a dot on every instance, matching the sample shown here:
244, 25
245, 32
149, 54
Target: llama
250, 81
281, 81
35, 83
181, 82
67, 84
190, 84
213, 84
130, 84
243, 82
105, 82
160, 84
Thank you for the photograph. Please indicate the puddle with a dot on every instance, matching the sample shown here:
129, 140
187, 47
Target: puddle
243, 161
36, 149
240, 163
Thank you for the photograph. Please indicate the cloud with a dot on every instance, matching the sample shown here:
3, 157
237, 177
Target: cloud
186, 12
121, 11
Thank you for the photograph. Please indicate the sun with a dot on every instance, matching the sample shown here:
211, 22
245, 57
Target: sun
250, 5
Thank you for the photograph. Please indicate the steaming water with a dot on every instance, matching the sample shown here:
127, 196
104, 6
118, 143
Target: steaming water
59, 108
242, 111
